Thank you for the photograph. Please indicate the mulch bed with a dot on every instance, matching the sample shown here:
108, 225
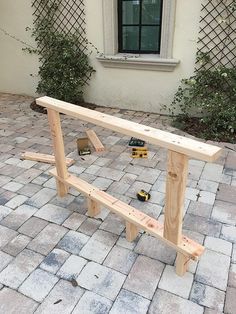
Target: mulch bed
196, 128
43, 110
192, 125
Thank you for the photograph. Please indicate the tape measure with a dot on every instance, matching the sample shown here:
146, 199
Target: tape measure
143, 196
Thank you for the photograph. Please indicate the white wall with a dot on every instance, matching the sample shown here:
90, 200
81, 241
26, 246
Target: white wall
124, 88
142, 89
16, 65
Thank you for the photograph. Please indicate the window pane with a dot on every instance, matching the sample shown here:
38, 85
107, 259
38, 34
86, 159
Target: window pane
131, 12
151, 12
130, 37
150, 38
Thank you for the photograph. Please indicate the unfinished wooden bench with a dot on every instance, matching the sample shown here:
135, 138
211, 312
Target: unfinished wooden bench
179, 150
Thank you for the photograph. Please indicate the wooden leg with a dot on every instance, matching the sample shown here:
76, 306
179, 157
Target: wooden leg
177, 172
59, 152
131, 231
182, 263
93, 208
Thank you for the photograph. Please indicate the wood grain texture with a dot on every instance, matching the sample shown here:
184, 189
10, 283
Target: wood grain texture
49, 159
151, 135
131, 231
177, 172
187, 246
59, 151
93, 208
182, 263
97, 144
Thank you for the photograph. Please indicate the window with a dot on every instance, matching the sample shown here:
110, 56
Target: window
139, 26
138, 34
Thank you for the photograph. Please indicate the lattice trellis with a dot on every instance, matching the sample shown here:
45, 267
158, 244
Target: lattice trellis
218, 32
65, 17
68, 17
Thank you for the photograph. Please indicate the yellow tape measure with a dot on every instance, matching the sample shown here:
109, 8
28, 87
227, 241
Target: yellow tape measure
143, 196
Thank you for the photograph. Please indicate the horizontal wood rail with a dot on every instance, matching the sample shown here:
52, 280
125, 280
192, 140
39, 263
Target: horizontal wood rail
49, 159
187, 246
179, 151
183, 145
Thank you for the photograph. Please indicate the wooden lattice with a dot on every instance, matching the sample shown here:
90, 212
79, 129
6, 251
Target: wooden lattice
217, 36
68, 17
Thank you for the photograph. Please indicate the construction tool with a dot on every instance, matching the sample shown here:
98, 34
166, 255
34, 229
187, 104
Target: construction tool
136, 142
143, 196
139, 152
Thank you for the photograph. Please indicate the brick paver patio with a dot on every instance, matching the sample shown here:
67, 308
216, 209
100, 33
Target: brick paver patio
49, 245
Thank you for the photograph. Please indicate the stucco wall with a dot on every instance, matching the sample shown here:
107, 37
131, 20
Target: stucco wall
124, 88
142, 89
16, 65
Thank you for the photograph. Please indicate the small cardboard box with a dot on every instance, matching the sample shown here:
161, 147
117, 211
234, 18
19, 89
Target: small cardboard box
83, 144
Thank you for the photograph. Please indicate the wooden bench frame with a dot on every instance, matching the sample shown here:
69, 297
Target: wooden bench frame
179, 151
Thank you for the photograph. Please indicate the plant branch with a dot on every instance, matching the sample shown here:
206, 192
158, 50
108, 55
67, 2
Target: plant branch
15, 38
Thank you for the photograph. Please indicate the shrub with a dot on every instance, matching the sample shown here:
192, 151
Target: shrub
64, 63
64, 68
210, 95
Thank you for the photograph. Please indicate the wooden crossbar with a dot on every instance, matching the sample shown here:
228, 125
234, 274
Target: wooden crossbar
187, 246
49, 159
180, 144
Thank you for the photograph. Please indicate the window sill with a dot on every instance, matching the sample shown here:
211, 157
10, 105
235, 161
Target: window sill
138, 62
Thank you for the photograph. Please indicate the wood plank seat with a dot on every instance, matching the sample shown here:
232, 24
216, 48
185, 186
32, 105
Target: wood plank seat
187, 246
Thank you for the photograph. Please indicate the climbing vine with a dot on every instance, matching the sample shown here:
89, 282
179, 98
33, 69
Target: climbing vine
205, 103
64, 58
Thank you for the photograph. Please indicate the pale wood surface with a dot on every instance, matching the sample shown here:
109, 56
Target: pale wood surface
50, 159
97, 144
177, 143
182, 263
93, 208
59, 152
177, 172
131, 231
187, 246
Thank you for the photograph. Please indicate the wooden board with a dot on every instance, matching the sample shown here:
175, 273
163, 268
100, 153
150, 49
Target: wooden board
131, 231
49, 159
97, 144
93, 208
177, 172
180, 144
182, 263
59, 150
187, 246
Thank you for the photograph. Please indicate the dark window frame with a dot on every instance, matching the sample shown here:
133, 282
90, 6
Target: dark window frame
120, 33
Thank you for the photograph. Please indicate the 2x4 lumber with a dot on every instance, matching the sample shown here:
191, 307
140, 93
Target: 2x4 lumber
59, 151
182, 263
177, 172
93, 208
49, 159
97, 144
180, 144
187, 246
131, 231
